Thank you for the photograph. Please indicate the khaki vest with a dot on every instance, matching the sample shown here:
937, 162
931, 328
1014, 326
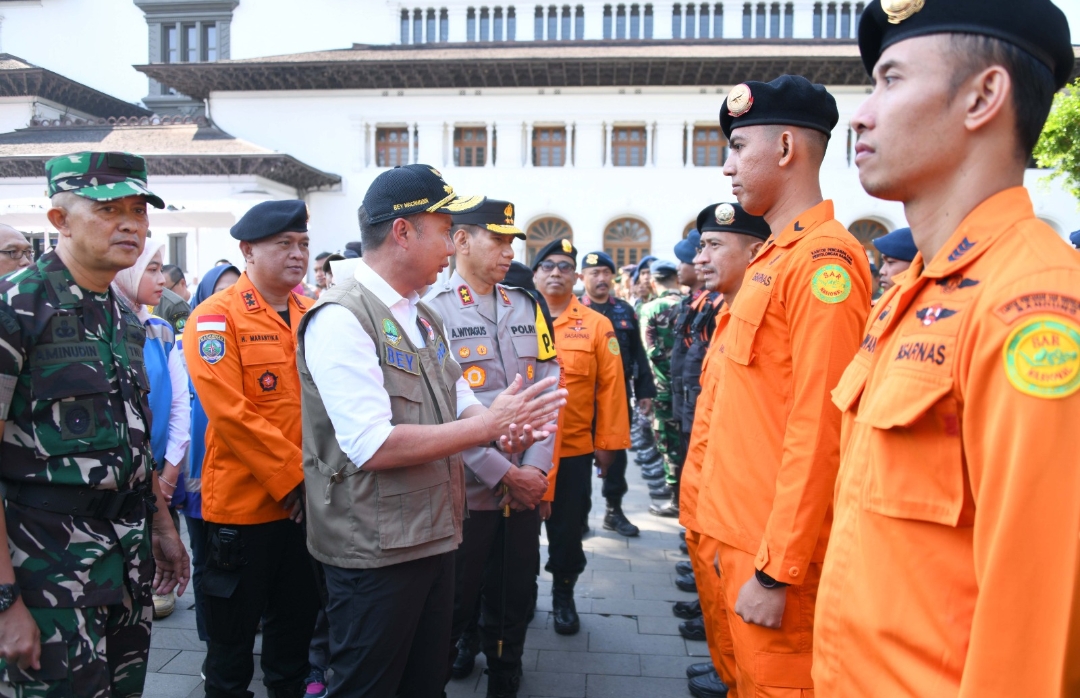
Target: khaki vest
361, 519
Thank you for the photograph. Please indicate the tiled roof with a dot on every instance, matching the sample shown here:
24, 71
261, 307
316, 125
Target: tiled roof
21, 79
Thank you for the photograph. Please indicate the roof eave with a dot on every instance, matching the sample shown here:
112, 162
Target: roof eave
39, 82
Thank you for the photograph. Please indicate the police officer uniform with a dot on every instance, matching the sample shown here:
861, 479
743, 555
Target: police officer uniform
494, 337
75, 460
639, 383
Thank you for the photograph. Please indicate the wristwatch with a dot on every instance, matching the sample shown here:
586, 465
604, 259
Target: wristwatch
8, 594
766, 581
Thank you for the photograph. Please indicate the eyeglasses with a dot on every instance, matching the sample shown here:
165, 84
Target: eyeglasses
564, 267
15, 254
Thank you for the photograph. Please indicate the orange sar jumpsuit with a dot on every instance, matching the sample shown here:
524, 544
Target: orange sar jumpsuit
953, 566
702, 549
773, 439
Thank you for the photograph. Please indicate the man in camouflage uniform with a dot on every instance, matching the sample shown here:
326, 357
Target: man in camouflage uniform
77, 474
658, 335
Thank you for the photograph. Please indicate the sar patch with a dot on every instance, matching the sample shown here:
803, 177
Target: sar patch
475, 376
391, 332
212, 347
465, 295
831, 284
613, 346
268, 382
1042, 357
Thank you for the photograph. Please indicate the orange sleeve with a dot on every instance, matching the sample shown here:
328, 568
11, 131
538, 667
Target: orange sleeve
612, 418
1021, 449
824, 336
274, 461
552, 475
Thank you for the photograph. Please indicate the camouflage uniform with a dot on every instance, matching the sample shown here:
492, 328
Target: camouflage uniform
73, 396
658, 334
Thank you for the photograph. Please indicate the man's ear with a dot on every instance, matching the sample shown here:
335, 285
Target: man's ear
400, 233
786, 146
59, 219
245, 250
461, 239
987, 94
755, 248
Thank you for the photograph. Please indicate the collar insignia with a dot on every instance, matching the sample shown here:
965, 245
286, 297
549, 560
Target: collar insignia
250, 301
961, 249
502, 293
465, 295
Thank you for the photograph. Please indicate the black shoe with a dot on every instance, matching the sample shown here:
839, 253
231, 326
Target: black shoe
648, 455
563, 611
502, 685
663, 492
683, 549
466, 658
585, 530
682, 535
686, 582
708, 686
616, 520
293, 689
693, 629
700, 669
657, 485
684, 567
655, 473
687, 609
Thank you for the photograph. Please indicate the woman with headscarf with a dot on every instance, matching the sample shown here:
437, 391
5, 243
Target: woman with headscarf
216, 279
141, 286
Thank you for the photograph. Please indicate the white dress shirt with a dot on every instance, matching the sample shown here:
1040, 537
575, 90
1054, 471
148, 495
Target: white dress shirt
344, 365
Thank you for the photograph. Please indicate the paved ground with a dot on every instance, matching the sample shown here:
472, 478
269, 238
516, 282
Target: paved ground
628, 646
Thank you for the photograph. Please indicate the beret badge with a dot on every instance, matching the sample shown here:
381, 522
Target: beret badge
899, 10
725, 214
592, 259
739, 100
567, 247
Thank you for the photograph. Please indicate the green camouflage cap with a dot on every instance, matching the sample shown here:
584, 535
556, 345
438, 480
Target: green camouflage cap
100, 176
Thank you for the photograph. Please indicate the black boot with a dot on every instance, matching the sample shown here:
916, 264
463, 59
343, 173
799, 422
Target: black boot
502, 685
563, 610
293, 689
616, 520
649, 455
707, 686
467, 649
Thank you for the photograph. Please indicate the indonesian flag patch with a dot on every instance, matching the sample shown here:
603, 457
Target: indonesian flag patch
210, 323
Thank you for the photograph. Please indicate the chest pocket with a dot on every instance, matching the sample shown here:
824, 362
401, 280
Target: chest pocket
576, 356
747, 314
916, 466
526, 348
72, 410
265, 369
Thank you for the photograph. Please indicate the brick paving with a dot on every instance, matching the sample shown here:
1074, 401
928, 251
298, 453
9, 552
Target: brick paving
629, 644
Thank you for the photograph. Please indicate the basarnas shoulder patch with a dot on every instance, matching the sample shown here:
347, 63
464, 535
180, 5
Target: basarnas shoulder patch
613, 346
831, 284
1042, 357
212, 347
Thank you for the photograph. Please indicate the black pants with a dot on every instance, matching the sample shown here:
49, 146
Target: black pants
573, 487
481, 565
276, 584
390, 628
615, 486
196, 528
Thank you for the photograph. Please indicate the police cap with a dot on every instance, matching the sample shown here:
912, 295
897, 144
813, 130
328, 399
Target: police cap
686, 249
560, 246
598, 259
411, 189
898, 244
270, 218
789, 100
731, 218
1036, 26
494, 215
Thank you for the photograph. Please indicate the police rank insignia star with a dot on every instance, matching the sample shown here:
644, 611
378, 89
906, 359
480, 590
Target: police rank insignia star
465, 294
529, 372
250, 302
505, 298
268, 382
739, 100
212, 347
899, 10
390, 331
567, 247
1042, 357
725, 214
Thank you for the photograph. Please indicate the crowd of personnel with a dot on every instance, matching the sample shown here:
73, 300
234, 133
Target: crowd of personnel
879, 495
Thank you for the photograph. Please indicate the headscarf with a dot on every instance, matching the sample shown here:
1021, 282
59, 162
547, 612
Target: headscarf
127, 281
209, 280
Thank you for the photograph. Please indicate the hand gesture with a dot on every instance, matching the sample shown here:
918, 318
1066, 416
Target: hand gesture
524, 487
518, 418
171, 558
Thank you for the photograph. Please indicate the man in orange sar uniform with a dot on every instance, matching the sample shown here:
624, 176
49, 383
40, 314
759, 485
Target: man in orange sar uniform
952, 569
730, 239
773, 440
240, 349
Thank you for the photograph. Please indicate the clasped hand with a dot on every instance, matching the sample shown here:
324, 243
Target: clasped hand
514, 414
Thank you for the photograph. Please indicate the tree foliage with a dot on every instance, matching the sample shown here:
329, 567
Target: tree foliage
1059, 145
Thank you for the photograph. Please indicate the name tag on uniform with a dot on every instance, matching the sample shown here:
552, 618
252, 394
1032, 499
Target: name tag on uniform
404, 360
65, 353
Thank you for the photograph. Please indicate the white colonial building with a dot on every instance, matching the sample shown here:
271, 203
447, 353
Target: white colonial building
599, 120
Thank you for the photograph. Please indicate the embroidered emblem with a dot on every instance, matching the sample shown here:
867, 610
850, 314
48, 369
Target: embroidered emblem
1042, 357
440, 350
951, 284
180, 322
725, 214
1040, 302
481, 350
509, 213
837, 252
404, 360
390, 331
529, 372
77, 420
505, 297
465, 295
961, 250
430, 330
739, 100
613, 346
831, 284
250, 301
464, 352
268, 382
567, 247
212, 347
899, 10
474, 376
933, 313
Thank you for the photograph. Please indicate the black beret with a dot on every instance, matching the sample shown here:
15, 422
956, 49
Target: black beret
411, 189
643, 264
731, 218
686, 249
270, 218
898, 244
663, 269
789, 100
598, 259
1036, 26
560, 246
494, 215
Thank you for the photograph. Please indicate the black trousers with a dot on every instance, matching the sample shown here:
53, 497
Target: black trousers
197, 537
390, 628
277, 584
573, 488
481, 565
615, 486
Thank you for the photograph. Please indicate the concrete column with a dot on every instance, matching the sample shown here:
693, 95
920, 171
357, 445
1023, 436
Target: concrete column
649, 138
606, 133
427, 145
733, 19
489, 151
526, 144
458, 15
661, 19
804, 18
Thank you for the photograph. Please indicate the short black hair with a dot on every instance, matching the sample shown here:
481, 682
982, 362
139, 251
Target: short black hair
1033, 84
372, 236
173, 273
321, 255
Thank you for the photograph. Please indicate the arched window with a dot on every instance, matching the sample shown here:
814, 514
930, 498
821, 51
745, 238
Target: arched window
689, 226
543, 231
865, 230
627, 240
